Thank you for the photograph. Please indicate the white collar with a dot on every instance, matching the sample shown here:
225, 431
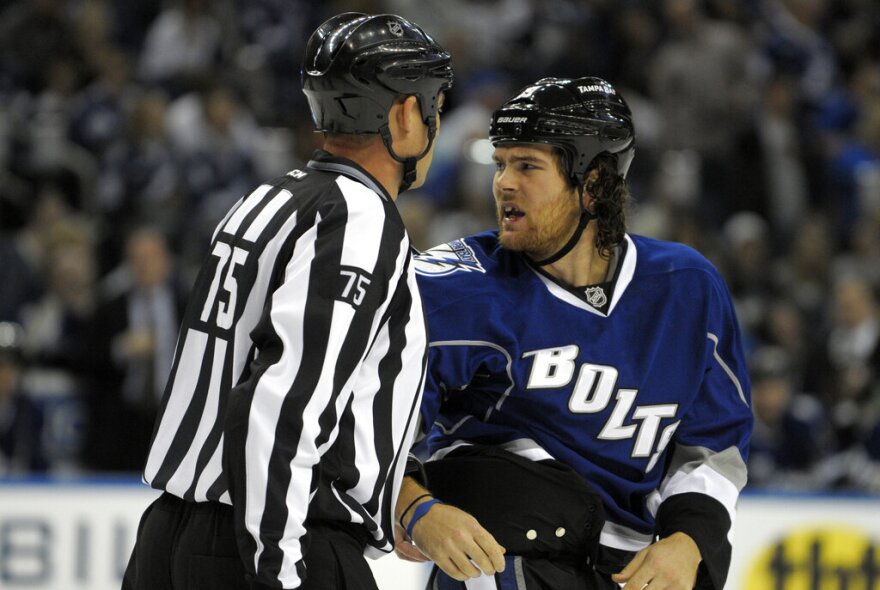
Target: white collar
627, 270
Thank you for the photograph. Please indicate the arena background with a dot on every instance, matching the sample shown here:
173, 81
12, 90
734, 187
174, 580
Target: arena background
128, 128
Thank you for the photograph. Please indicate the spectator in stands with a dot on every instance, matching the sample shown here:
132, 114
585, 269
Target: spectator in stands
850, 126
19, 283
214, 136
24, 253
848, 365
133, 337
41, 150
32, 35
771, 163
55, 327
791, 41
783, 326
98, 115
490, 34
803, 272
863, 258
792, 434
747, 259
139, 182
704, 90
182, 45
55, 323
274, 34
639, 36
19, 420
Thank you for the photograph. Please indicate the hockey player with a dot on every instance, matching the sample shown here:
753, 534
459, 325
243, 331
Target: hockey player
587, 397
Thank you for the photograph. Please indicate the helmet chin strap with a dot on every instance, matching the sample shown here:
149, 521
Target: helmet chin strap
409, 164
585, 218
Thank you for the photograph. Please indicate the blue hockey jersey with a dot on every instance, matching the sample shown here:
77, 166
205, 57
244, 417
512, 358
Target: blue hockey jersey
641, 387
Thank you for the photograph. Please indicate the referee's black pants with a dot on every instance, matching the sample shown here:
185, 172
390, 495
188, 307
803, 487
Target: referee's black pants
191, 546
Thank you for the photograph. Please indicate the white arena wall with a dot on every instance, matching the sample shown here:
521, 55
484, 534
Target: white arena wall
77, 535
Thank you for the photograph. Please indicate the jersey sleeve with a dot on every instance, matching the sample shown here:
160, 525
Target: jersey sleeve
707, 467
452, 354
318, 324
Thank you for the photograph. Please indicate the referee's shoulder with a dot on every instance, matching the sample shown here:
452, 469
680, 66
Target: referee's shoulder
312, 190
329, 184
339, 195
303, 180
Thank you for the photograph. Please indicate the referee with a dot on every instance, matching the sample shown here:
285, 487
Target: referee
284, 429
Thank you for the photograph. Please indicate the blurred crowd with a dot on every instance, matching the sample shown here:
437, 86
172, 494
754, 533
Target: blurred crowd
128, 128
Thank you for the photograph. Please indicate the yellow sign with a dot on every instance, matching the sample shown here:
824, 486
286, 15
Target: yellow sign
821, 558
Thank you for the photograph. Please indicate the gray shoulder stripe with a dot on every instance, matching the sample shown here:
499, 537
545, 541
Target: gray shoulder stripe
350, 172
726, 368
728, 463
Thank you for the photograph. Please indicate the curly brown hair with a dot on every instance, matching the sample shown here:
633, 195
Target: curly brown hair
611, 199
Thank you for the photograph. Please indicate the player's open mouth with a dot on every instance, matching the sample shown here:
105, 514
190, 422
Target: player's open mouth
512, 213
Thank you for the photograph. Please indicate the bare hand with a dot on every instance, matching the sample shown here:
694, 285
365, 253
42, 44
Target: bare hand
404, 548
457, 543
668, 564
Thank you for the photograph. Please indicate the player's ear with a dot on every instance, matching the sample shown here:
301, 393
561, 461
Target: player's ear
589, 183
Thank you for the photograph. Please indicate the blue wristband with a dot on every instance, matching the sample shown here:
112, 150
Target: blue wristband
420, 511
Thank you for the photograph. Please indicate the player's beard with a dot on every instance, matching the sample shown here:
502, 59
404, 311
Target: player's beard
549, 227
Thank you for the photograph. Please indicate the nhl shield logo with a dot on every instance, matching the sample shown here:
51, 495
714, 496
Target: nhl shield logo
596, 296
395, 27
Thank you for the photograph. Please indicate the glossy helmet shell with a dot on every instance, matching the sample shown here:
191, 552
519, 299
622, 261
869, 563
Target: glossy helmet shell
585, 117
357, 64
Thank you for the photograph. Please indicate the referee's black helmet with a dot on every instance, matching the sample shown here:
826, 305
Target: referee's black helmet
357, 64
585, 117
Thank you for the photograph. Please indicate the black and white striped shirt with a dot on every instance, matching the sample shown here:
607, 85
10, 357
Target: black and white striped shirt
299, 366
